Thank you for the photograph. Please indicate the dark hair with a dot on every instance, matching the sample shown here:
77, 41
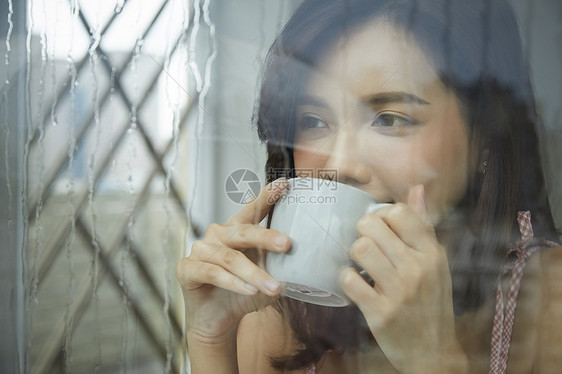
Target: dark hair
476, 49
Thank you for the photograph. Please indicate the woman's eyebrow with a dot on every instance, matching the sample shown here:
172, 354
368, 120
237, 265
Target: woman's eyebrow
312, 101
393, 97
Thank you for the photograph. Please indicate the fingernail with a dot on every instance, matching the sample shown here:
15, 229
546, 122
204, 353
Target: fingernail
280, 241
251, 288
272, 285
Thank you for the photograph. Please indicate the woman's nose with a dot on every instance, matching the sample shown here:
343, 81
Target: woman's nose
344, 156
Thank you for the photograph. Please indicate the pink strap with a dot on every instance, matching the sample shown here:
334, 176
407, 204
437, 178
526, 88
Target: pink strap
503, 319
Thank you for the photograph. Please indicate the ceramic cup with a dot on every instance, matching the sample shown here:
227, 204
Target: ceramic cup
320, 217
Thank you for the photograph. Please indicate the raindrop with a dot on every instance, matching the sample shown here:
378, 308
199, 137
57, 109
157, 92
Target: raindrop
10, 28
119, 6
95, 39
112, 79
29, 265
192, 46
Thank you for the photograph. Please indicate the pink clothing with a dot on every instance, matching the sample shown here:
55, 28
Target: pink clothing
503, 318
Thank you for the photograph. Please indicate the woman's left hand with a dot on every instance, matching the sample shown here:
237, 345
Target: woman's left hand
410, 308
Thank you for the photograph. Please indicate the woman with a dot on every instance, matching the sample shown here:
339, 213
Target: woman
426, 104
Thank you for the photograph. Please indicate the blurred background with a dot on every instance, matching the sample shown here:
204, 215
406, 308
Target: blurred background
121, 122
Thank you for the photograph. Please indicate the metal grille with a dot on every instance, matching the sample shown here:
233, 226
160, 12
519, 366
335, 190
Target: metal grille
106, 191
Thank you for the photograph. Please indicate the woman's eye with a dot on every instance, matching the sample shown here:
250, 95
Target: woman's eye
392, 120
310, 122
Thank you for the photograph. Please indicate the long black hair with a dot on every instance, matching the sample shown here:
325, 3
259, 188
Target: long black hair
476, 50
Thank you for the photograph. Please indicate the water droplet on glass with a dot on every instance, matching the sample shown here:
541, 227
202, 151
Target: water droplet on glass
119, 6
95, 39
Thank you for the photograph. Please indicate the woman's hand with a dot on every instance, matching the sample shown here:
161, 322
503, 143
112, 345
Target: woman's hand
221, 281
410, 308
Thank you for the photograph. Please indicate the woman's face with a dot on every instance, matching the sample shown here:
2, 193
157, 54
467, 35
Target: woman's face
375, 111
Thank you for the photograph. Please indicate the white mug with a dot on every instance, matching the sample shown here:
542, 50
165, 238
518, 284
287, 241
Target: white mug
320, 217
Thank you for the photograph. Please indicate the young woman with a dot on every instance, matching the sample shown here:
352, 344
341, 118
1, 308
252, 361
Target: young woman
425, 104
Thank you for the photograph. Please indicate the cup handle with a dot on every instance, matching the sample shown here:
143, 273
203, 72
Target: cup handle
374, 207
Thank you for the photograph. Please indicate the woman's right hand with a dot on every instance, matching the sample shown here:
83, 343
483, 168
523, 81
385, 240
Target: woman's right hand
220, 279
